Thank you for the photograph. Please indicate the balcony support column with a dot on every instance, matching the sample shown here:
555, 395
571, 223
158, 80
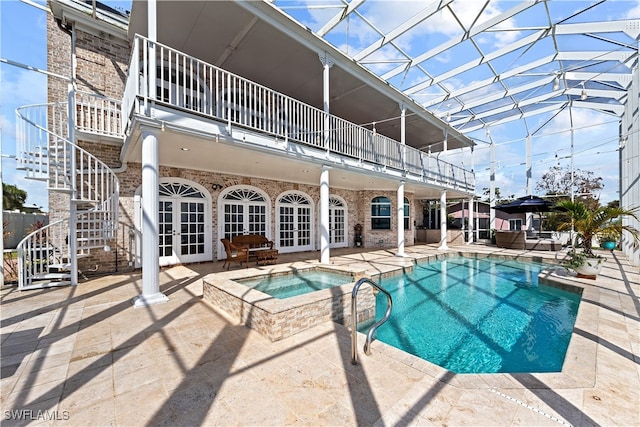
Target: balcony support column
492, 182
324, 215
529, 215
150, 238
470, 228
327, 63
400, 216
443, 220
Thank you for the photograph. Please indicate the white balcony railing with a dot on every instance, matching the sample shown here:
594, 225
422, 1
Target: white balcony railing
98, 115
184, 82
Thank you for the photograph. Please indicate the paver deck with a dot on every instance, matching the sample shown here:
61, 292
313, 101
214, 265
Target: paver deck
84, 356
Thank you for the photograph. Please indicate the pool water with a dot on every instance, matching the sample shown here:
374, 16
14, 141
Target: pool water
479, 316
297, 283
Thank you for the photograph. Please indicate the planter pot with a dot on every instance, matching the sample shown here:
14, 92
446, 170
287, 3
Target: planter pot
591, 268
608, 245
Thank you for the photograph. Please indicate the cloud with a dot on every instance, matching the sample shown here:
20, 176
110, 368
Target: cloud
8, 128
23, 87
634, 11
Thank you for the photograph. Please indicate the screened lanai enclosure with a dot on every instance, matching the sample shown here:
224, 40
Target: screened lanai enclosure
536, 84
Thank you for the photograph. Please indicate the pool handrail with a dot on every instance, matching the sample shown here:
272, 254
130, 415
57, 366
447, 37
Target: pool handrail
354, 317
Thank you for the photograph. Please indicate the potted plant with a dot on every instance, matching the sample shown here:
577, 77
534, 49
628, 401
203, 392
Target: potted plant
592, 224
609, 239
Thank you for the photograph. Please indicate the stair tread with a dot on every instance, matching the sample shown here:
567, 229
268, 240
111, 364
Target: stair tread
45, 284
51, 276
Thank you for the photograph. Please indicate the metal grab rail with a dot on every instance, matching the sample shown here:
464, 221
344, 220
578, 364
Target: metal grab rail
354, 317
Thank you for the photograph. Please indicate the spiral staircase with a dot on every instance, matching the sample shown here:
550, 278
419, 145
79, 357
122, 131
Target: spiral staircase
47, 151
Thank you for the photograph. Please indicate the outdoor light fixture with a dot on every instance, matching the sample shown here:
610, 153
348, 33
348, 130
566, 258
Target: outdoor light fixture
583, 94
448, 116
216, 187
556, 82
162, 127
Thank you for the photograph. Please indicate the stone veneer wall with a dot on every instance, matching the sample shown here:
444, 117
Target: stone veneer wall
303, 314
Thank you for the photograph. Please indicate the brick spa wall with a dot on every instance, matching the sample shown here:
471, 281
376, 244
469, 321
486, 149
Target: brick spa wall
280, 318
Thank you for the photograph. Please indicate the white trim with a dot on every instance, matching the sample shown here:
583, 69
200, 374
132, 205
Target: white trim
312, 225
208, 237
345, 206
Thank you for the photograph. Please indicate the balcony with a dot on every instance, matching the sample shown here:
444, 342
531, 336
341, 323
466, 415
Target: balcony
181, 82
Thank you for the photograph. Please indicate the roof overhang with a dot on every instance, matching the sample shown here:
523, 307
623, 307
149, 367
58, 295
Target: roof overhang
99, 21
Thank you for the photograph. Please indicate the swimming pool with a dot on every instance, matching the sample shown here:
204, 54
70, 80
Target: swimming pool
479, 315
297, 282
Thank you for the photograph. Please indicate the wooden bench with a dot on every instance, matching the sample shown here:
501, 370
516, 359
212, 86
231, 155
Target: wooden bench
255, 242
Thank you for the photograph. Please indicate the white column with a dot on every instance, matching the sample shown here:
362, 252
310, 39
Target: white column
492, 182
152, 34
324, 215
327, 63
400, 217
150, 241
471, 228
529, 215
443, 220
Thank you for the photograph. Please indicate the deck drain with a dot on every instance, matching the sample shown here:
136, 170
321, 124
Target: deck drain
536, 410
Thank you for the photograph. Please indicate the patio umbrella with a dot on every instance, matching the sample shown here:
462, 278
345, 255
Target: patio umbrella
526, 204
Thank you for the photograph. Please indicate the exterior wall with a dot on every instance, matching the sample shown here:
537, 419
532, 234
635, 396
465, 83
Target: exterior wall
358, 202
101, 69
630, 165
102, 63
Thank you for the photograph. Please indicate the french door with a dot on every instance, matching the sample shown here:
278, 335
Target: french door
183, 224
243, 211
295, 222
338, 235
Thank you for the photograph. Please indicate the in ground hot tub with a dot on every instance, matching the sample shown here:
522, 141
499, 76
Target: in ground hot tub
327, 297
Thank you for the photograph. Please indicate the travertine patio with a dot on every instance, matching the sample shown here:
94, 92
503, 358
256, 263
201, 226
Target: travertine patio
84, 356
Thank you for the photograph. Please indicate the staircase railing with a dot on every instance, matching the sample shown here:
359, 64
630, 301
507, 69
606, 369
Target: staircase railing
45, 153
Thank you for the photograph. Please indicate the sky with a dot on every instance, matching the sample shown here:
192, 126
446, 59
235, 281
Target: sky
23, 40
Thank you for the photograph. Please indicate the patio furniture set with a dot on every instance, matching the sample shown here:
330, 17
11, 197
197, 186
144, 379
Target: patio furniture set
243, 247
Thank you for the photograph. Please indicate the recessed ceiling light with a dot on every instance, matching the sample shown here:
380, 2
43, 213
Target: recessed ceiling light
305, 170
185, 149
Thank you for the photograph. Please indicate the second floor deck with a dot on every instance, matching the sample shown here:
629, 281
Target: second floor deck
161, 77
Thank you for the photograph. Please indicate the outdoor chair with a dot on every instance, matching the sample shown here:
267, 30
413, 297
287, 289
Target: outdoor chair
235, 253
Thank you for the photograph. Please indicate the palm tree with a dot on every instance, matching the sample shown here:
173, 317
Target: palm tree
591, 223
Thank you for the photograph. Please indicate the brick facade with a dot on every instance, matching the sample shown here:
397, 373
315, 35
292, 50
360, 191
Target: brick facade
102, 63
